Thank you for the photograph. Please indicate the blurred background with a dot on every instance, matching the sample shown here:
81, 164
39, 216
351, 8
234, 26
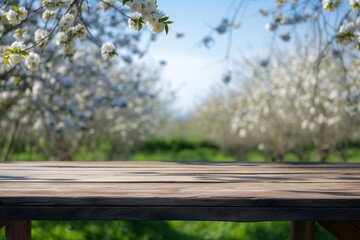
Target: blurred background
232, 81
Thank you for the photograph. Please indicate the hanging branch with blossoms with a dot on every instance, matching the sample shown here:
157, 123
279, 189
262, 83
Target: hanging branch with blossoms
332, 24
64, 22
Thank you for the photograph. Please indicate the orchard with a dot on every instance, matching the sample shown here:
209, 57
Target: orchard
75, 71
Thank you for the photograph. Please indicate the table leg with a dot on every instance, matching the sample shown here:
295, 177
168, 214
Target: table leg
2, 223
342, 230
302, 230
18, 230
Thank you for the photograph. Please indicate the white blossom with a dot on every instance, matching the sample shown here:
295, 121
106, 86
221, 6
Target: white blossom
66, 21
16, 15
331, 5
357, 21
16, 58
347, 28
270, 26
19, 35
355, 4
135, 5
2, 29
242, 133
106, 4
40, 37
135, 21
12, 17
37, 88
48, 15
22, 14
157, 27
78, 31
61, 39
32, 61
108, 50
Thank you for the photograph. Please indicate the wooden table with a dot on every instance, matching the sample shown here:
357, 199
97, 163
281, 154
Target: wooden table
301, 193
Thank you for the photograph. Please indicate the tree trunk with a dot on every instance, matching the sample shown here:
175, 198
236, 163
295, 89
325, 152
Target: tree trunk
10, 144
323, 153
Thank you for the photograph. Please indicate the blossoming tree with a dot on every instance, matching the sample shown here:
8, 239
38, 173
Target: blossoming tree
285, 106
60, 76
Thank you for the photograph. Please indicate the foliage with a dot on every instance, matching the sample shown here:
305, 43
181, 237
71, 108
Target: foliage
180, 150
157, 230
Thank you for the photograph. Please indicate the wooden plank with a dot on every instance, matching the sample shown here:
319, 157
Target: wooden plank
182, 190
199, 187
200, 194
302, 230
18, 230
111, 176
234, 214
342, 230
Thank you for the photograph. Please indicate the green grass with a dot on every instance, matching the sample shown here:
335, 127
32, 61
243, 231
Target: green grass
201, 154
24, 156
182, 150
215, 155
163, 230
255, 157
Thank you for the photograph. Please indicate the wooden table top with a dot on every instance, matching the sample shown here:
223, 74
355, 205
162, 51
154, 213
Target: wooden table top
179, 191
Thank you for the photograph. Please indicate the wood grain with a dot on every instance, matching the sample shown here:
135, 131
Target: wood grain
302, 230
18, 230
201, 190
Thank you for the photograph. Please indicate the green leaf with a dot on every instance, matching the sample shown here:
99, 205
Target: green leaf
16, 8
6, 54
20, 31
164, 19
17, 80
166, 29
24, 53
348, 36
6, 61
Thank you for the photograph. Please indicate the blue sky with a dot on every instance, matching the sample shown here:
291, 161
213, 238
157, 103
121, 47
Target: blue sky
193, 71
